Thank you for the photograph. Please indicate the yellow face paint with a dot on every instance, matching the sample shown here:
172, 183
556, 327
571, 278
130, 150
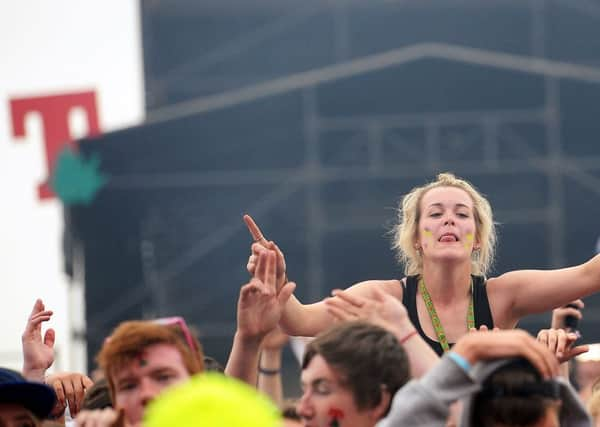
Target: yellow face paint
428, 235
469, 241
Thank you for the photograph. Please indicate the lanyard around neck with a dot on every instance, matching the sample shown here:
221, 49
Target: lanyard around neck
435, 320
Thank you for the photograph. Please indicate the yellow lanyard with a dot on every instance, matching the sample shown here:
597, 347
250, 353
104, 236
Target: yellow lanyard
435, 320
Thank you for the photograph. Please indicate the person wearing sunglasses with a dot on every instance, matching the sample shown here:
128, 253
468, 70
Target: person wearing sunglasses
141, 359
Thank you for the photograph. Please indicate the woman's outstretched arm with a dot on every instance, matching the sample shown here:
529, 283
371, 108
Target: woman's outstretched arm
522, 292
306, 319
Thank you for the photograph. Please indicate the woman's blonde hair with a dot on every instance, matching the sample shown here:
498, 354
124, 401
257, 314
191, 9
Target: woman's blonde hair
409, 213
593, 403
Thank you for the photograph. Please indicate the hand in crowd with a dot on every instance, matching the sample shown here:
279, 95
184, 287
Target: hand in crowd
382, 309
478, 346
560, 314
70, 387
260, 305
275, 340
38, 353
388, 312
560, 342
107, 417
259, 246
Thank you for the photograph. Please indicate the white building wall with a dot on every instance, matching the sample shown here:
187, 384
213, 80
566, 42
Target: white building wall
54, 48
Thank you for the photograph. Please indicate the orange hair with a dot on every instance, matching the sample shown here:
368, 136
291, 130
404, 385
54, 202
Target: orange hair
132, 337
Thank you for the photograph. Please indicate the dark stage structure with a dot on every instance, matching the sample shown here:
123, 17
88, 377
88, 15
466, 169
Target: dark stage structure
315, 118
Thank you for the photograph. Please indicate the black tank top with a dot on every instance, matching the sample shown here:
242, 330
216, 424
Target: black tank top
481, 307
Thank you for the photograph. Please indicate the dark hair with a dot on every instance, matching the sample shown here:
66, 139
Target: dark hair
98, 396
514, 395
365, 356
288, 410
212, 365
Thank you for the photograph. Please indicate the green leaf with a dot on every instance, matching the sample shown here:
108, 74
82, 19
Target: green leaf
76, 180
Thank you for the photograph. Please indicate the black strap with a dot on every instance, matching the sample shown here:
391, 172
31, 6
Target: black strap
409, 299
483, 314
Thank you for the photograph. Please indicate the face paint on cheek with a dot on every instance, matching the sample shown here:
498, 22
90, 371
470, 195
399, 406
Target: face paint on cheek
427, 237
469, 241
336, 415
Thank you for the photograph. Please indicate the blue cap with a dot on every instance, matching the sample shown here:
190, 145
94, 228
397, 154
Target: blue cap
36, 397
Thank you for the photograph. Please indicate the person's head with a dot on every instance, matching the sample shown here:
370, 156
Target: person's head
289, 414
447, 217
213, 365
23, 403
351, 372
140, 359
516, 395
97, 396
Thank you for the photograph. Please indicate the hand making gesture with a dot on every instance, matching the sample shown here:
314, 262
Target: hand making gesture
38, 353
259, 311
388, 312
561, 343
260, 245
382, 309
260, 304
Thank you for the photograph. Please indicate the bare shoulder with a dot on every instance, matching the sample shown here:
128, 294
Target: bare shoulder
501, 300
493, 282
496, 285
392, 287
511, 278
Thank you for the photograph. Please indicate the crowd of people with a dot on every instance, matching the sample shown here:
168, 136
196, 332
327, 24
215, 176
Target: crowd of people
437, 348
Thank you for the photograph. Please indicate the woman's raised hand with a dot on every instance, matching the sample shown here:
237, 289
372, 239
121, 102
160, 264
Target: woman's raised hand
260, 245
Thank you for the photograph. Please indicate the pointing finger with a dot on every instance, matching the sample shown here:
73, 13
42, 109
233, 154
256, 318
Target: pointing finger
254, 230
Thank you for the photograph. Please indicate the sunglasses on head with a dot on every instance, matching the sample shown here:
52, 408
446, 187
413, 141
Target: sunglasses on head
180, 323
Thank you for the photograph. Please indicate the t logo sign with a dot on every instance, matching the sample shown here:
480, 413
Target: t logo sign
54, 111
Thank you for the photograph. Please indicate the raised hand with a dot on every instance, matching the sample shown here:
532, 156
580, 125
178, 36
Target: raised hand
260, 305
70, 388
381, 309
560, 342
388, 312
38, 354
260, 245
275, 340
560, 314
478, 346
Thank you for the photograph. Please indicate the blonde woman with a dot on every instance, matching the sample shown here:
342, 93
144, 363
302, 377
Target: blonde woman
445, 238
